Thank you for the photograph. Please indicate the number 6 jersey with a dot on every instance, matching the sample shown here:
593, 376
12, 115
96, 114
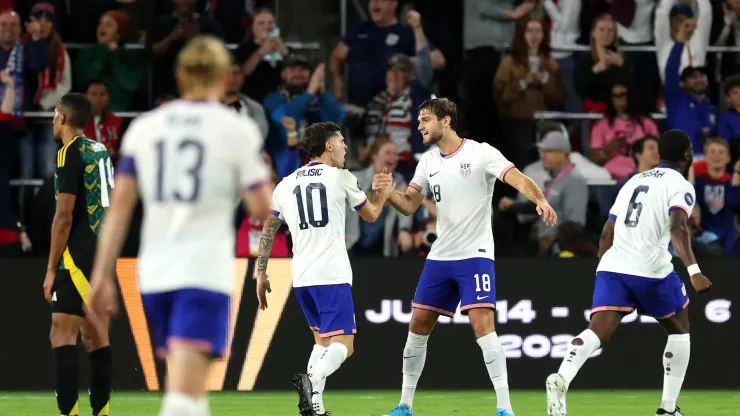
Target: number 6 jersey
312, 201
641, 214
192, 162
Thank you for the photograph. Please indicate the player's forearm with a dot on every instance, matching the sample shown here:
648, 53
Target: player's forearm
681, 239
268, 238
529, 189
60, 228
402, 203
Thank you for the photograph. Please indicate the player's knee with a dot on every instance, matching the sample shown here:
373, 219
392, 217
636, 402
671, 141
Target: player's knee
482, 321
422, 323
62, 333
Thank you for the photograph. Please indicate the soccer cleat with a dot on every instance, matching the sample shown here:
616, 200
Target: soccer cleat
556, 395
401, 410
503, 412
303, 386
662, 412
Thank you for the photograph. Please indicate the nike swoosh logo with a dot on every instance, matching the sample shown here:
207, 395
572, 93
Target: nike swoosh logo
489, 362
483, 297
432, 174
410, 356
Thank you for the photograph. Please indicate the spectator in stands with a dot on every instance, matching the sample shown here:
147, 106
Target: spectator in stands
603, 67
243, 104
13, 237
23, 62
634, 19
104, 126
567, 192
488, 28
717, 194
676, 21
366, 49
168, 36
38, 148
231, 15
728, 125
413, 19
390, 234
527, 81
565, 31
110, 62
612, 136
685, 92
261, 56
303, 97
393, 113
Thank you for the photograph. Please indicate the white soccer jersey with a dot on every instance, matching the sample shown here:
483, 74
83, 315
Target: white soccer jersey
642, 221
193, 161
312, 201
461, 184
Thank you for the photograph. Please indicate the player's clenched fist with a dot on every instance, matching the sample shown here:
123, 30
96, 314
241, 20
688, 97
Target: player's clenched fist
382, 180
701, 283
548, 214
263, 287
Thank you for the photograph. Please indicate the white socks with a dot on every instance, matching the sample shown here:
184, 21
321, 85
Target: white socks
414, 357
493, 356
329, 362
675, 362
180, 404
578, 354
318, 397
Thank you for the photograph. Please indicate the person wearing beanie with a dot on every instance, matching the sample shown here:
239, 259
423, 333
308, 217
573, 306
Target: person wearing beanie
111, 63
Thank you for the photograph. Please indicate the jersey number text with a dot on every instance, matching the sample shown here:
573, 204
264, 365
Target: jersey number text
192, 172
303, 225
635, 207
437, 193
106, 178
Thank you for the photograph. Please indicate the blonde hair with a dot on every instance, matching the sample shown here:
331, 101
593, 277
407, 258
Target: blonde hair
202, 63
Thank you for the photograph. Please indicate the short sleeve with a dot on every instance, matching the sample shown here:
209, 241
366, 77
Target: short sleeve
127, 163
682, 197
420, 182
357, 199
252, 169
614, 211
69, 169
275, 207
494, 162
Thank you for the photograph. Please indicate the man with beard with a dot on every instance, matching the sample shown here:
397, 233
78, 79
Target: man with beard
303, 97
685, 93
635, 271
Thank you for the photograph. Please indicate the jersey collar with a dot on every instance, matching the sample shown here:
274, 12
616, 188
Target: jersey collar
314, 163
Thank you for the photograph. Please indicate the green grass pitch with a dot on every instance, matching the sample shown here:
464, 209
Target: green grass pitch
376, 403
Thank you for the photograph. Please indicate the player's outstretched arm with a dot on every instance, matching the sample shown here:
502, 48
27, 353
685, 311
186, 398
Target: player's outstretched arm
370, 212
110, 242
272, 224
607, 237
529, 188
681, 239
404, 202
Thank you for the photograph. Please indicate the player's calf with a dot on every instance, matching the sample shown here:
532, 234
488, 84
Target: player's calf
63, 337
482, 320
675, 360
96, 341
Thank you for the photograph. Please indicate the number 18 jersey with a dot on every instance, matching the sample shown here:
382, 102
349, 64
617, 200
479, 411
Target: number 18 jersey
642, 219
312, 201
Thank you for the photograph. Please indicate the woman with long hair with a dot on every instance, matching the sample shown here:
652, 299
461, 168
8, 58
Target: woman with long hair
613, 135
261, 56
527, 81
604, 65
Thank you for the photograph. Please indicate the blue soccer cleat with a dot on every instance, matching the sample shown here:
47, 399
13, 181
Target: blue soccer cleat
503, 412
401, 410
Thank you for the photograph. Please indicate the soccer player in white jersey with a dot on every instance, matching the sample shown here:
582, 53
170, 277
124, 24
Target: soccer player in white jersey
460, 173
190, 161
636, 273
312, 201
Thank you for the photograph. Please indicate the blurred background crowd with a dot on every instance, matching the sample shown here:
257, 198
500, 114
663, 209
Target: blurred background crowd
574, 92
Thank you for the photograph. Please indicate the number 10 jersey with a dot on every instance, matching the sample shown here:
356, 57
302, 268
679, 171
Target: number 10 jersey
641, 214
312, 201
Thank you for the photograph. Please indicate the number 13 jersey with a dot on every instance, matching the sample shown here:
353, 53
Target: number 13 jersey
312, 201
641, 214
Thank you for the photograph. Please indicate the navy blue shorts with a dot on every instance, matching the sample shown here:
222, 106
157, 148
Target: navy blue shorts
659, 298
196, 317
445, 284
329, 309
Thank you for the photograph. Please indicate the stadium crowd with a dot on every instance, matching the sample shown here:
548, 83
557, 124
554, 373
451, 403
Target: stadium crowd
504, 62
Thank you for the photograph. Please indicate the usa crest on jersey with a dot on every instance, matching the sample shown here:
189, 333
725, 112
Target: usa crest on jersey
465, 169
